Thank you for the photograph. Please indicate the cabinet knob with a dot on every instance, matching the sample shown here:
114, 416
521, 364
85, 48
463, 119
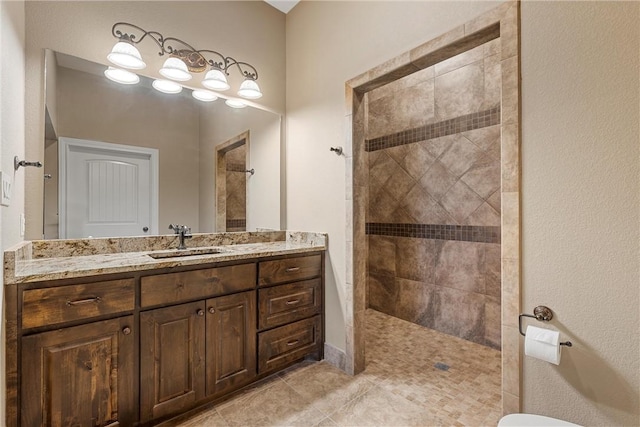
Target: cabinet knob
126, 330
212, 310
200, 312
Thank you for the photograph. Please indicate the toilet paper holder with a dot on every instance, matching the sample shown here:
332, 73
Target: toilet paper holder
541, 313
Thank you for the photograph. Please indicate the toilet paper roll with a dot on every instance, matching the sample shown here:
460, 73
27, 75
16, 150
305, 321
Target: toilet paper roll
543, 344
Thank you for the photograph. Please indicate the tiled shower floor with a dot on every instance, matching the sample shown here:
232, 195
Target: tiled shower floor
401, 386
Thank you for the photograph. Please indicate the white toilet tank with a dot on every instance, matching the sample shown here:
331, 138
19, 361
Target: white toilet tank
530, 420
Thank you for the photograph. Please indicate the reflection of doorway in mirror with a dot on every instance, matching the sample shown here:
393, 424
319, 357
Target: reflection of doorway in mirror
236, 185
108, 189
232, 159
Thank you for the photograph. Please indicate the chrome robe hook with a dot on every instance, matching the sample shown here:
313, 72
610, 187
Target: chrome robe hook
17, 163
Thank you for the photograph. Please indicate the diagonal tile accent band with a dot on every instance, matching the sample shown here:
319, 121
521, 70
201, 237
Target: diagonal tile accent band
464, 123
467, 233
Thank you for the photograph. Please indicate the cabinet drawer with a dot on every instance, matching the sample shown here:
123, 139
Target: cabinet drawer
49, 306
189, 285
281, 346
287, 303
289, 269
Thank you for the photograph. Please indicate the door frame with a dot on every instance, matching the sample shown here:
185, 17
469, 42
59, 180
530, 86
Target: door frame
65, 144
502, 22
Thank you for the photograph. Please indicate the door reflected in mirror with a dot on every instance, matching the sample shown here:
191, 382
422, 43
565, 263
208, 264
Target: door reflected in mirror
82, 104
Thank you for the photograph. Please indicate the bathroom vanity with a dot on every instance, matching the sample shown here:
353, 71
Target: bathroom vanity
102, 333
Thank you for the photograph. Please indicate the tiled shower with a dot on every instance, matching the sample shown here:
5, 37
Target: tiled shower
433, 219
236, 188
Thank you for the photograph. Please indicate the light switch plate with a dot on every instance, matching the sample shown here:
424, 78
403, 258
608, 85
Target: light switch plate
6, 189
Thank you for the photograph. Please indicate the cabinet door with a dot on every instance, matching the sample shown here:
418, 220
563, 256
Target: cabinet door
172, 357
82, 375
231, 342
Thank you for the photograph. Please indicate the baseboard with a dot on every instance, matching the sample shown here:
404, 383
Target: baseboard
334, 356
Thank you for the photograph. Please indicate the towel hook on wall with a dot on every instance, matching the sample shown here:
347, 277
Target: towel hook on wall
338, 150
17, 163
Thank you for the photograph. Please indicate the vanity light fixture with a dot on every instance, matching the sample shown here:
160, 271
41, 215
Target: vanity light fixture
204, 95
249, 89
126, 55
235, 103
166, 86
215, 80
175, 69
183, 60
121, 76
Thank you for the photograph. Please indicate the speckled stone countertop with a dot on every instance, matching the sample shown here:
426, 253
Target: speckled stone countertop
38, 260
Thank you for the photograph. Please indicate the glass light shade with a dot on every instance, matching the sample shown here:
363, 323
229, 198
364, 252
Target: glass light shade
175, 69
121, 76
216, 80
204, 95
249, 89
166, 86
235, 103
126, 55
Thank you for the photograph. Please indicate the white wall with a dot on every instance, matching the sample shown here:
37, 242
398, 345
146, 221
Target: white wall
580, 174
580, 204
12, 136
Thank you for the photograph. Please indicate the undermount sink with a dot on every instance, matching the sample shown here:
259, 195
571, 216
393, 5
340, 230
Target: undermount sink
175, 253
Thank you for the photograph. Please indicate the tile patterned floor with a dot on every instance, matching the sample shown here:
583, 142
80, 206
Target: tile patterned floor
401, 386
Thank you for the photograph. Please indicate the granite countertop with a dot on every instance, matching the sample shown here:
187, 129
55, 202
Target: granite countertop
39, 260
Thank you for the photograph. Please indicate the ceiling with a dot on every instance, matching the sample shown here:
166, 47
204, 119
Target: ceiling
283, 5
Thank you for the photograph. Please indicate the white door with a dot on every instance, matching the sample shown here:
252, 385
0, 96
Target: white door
107, 189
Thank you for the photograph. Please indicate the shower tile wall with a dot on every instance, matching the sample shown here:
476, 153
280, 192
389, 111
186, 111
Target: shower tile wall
433, 223
236, 187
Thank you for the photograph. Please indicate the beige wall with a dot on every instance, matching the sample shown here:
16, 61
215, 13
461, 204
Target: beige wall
12, 130
580, 189
247, 30
94, 108
580, 174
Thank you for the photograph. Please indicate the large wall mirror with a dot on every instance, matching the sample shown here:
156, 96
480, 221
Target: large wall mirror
109, 145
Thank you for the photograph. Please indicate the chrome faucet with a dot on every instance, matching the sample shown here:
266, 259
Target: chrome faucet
183, 232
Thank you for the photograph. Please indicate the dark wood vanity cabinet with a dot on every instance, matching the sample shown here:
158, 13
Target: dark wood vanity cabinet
81, 375
195, 350
290, 305
231, 342
172, 359
84, 374
139, 350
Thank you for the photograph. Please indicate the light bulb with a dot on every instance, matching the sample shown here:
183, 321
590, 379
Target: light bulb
249, 89
204, 95
235, 103
216, 80
175, 69
126, 55
121, 76
166, 86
